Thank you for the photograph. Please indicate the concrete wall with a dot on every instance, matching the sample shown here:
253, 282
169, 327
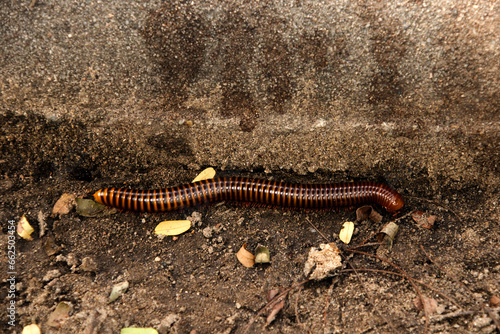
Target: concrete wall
404, 91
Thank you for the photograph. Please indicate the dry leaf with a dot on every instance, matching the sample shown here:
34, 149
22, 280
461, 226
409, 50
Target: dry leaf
324, 261
245, 257
387, 234
64, 205
173, 227
24, 229
31, 329
276, 307
423, 219
346, 232
206, 174
262, 254
50, 246
367, 212
429, 304
90, 208
117, 290
494, 301
59, 315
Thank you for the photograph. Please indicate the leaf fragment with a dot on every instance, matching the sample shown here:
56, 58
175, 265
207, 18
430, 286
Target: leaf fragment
494, 301
172, 227
134, 330
429, 305
346, 232
423, 219
367, 212
59, 315
262, 254
64, 205
387, 234
90, 208
276, 306
24, 229
205, 174
32, 329
245, 257
50, 246
117, 290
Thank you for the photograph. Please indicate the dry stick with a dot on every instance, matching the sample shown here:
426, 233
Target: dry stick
409, 278
483, 306
317, 230
278, 298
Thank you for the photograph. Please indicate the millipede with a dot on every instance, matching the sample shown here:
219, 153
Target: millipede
249, 190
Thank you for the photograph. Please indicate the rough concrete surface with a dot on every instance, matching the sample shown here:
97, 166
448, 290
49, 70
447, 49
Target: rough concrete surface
147, 94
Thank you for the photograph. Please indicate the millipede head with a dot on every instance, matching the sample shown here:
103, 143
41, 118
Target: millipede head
396, 204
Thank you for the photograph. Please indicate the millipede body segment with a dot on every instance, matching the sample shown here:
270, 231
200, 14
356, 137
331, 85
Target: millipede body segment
241, 189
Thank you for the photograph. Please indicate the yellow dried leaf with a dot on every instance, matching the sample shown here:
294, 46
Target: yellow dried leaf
173, 227
24, 228
346, 232
262, 254
117, 290
31, 329
206, 174
245, 257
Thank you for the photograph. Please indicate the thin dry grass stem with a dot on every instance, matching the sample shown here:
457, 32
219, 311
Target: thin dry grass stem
485, 308
317, 230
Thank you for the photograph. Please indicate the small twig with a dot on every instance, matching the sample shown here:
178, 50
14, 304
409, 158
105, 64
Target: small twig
367, 245
483, 305
455, 314
317, 230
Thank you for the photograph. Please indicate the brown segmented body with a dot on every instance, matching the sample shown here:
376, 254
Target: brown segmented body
241, 189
